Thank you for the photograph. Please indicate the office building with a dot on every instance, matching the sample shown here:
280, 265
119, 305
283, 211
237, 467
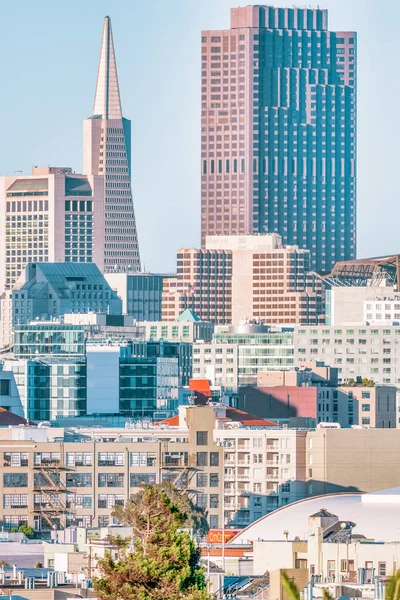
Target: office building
244, 277
278, 131
107, 152
237, 354
47, 291
141, 293
62, 371
52, 215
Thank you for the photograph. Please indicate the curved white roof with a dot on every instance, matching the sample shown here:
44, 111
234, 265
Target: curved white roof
377, 517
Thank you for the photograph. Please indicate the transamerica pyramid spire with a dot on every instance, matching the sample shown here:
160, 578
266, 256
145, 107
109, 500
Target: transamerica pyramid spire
107, 101
107, 152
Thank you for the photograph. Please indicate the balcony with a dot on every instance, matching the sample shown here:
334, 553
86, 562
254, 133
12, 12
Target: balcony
272, 476
243, 476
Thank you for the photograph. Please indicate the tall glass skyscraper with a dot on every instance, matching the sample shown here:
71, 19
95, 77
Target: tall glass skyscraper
279, 131
107, 151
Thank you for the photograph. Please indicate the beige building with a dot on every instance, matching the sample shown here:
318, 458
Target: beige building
237, 278
52, 215
352, 459
58, 483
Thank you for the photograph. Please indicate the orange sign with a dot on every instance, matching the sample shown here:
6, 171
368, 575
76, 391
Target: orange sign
214, 536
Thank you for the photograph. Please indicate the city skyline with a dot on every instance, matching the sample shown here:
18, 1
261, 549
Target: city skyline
177, 210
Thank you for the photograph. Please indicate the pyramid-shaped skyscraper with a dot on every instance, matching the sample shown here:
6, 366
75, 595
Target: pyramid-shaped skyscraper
107, 152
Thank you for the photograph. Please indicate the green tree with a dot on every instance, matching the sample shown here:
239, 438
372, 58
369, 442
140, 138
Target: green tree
28, 531
393, 587
194, 517
4, 563
163, 562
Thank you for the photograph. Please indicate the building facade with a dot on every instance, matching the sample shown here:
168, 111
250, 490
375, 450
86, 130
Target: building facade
236, 355
141, 293
48, 291
52, 215
61, 372
107, 152
278, 131
238, 278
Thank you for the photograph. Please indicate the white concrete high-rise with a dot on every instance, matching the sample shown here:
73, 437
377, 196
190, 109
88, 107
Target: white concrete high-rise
107, 151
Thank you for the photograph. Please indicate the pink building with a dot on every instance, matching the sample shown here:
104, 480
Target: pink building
276, 87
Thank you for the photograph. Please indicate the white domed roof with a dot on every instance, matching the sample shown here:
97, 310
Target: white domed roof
377, 517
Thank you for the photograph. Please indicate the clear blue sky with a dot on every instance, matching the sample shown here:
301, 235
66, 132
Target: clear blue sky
49, 53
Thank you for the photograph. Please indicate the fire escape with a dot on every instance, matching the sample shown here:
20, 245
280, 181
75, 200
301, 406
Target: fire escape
179, 467
51, 505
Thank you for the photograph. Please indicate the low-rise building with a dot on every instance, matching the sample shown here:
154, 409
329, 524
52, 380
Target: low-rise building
313, 392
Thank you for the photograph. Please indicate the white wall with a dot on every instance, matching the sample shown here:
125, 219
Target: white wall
102, 379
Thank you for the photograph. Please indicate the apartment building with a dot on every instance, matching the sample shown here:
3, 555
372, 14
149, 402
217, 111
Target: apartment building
357, 351
237, 354
311, 395
244, 277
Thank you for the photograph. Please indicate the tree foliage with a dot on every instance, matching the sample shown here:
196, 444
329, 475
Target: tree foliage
194, 517
393, 587
162, 562
28, 531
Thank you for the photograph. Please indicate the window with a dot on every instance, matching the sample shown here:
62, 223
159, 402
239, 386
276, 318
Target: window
143, 459
201, 480
366, 407
382, 569
111, 459
15, 479
202, 459
138, 479
202, 500
4, 387
343, 565
214, 501
111, 479
214, 459
202, 438
365, 421
110, 500
77, 480
79, 459
15, 459
15, 501
214, 480
47, 458
365, 394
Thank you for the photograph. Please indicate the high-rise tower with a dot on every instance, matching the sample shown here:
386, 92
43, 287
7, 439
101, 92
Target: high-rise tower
107, 151
279, 131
